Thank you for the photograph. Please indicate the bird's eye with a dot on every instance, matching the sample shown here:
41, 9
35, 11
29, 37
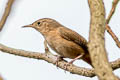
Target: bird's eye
38, 23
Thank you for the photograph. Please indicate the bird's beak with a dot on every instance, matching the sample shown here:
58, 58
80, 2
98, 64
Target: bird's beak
30, 25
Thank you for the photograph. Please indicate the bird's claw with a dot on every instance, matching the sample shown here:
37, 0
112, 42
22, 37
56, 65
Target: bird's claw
68, 64
71, 62
46, 49
59, 58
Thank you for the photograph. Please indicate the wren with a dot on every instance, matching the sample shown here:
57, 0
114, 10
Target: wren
64, 41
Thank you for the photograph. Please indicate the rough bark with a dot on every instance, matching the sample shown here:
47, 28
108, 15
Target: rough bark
97, 42
49, 57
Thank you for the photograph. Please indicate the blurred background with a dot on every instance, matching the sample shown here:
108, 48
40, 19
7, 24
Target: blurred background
73, 14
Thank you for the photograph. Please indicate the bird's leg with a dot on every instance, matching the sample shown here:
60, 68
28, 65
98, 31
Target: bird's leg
59, 58
78, 57
46, 47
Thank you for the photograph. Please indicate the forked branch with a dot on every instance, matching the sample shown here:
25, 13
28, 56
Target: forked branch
114, 5
6, 13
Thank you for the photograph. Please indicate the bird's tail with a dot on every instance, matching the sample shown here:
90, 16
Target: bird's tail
87, 59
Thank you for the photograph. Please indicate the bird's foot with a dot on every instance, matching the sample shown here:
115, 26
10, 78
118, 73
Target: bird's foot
46, 47
71, 62
59, 58
68, 64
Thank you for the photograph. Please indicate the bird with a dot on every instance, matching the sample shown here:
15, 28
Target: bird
64, 41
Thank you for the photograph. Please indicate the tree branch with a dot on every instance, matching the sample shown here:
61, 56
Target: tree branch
115, 2
6, 13
97, 43
52, 59
114, 5
113, 35
1, 77
47, 57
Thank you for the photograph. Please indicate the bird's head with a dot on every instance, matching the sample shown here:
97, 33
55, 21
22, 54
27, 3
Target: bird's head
44, 25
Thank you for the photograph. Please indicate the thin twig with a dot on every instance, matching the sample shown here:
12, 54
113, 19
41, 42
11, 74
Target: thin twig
115, 2
6, 13
113, 35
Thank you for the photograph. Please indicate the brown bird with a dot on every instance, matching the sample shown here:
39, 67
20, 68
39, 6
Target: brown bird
66, 42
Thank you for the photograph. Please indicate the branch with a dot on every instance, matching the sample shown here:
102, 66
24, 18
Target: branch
6, 13
113, 35
49, 57
1, 77
97, 43
115, 2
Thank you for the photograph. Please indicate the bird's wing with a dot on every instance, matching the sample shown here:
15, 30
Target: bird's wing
72, 36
